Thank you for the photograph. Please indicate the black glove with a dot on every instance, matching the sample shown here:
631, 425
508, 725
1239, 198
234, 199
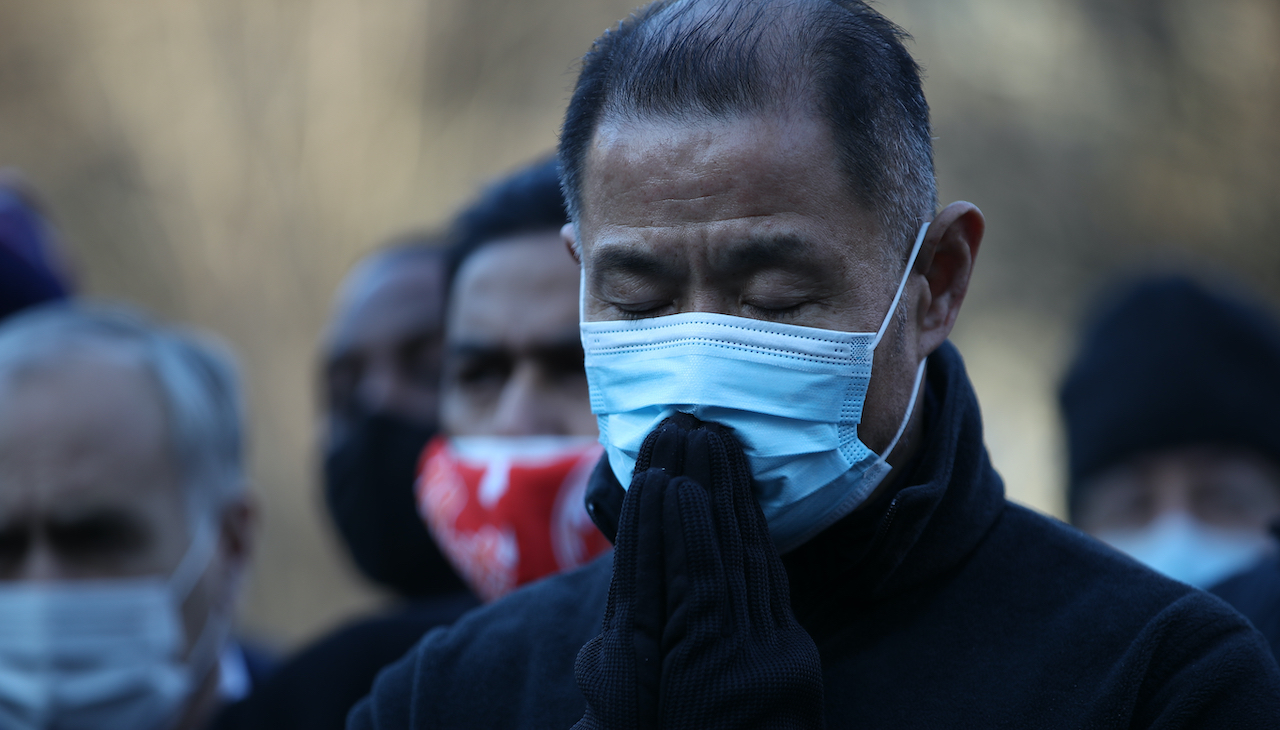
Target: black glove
698, 631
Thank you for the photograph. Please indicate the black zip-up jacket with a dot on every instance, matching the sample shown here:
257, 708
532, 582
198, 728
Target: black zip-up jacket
940, 605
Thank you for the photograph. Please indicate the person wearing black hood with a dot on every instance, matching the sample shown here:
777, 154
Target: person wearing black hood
807, 529
1174, 451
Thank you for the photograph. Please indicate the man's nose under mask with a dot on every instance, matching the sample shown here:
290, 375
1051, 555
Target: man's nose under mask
1186, 549
793, 397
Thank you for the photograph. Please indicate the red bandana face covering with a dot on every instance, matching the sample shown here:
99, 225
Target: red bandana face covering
509, 510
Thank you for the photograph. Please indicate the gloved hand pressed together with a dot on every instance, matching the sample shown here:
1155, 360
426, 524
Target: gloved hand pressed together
698, 632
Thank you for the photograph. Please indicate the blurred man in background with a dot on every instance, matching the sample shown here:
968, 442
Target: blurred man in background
31, 271
380, 374
513, 366
1172, 409
125, 529
381, 392
503, 488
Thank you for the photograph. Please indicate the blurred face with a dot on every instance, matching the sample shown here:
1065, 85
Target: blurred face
747, 217
88, 488
385, 343
1224, 488
514, 362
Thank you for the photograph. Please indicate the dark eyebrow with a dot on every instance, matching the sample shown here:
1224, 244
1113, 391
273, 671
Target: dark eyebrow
618, 259
785, 251
97, 514
418, 339
475, 350
558, 346
104, 522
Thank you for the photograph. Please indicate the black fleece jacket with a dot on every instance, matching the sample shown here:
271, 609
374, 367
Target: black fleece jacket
940, 605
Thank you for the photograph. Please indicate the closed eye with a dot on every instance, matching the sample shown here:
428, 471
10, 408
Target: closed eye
777, 309
99, 536
483, 370
777, 305
642, 310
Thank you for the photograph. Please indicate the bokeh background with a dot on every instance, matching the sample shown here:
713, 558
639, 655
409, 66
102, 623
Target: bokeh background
222, 162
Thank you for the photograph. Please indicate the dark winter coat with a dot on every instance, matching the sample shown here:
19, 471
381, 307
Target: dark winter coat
939, 605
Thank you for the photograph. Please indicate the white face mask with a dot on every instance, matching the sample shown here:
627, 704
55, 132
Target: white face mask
103, 654
1186, 549
793, 397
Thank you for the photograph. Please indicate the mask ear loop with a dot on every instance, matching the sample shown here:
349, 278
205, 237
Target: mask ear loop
911, 262
915, 388
191, 568
205, 650
582, 293
911, 407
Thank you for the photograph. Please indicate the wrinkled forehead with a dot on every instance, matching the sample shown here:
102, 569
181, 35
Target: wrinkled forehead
85, 388
88, 430
686, 166
697, 188
518, 293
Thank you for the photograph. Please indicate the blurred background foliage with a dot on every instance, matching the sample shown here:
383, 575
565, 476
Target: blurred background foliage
223, 162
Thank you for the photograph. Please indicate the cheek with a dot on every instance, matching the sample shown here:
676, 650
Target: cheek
572, 402
583, 422
1243, 504
419, 399
1116, 501
887, 395
469, 396
459, 415
209, 597
165, 516
586, 426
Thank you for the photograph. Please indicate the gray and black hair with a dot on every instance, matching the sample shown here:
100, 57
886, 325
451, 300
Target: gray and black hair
196, 378
717, 59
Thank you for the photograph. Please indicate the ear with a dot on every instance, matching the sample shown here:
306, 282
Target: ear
570, 238
946, 262
237, 527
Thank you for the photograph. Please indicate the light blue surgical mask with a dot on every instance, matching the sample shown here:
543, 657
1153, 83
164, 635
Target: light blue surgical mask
106, 653
1186, 549
793, 397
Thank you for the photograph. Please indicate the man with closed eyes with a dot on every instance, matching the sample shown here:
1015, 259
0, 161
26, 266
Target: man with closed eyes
807, 529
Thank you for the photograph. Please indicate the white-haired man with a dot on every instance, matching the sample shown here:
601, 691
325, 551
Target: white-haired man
124, 523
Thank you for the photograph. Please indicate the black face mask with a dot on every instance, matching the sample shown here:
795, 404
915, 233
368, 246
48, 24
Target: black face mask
369, 477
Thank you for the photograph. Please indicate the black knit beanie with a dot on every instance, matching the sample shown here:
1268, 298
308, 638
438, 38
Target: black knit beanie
1171, 363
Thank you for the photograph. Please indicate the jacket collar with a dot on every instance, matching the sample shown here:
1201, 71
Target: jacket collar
931, 520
